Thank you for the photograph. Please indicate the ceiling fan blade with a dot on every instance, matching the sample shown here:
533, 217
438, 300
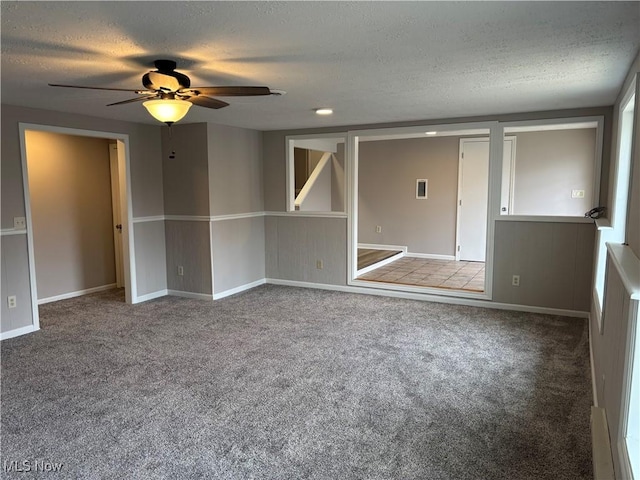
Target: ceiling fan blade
94, 88
131, 100
206, 102
229, 91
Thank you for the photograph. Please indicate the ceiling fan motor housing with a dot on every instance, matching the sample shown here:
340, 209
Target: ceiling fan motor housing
167, 68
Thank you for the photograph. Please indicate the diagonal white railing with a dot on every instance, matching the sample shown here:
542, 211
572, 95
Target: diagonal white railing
311, 181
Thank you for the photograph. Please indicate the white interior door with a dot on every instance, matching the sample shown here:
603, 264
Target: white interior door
473, 192
117, 214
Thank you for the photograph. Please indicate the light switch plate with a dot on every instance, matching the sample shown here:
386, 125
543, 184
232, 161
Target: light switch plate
577, 193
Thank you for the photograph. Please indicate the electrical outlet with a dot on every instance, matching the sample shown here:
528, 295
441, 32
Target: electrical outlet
319, 264
515, 280
19, 223
577, 193
378, 229
12, 302
180, 270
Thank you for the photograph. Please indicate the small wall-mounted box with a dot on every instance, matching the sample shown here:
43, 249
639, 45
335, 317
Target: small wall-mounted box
421, 188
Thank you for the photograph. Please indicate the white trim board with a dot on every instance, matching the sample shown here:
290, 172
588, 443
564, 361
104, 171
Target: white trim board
375, 246
17, 332
298, 213
431, 298
433, 256
13, 231
381, 263
196, 296
78, 293
236, 216
239, 289
152, 296
157, 218
600, 444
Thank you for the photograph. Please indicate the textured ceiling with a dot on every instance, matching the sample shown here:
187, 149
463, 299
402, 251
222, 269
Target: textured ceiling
371, 61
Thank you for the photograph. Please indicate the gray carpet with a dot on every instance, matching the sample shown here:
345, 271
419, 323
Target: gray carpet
287, 383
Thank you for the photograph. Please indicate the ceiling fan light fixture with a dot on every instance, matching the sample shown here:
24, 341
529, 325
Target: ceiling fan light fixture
167, 110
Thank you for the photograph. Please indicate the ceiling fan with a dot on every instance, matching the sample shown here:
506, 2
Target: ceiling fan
169, 94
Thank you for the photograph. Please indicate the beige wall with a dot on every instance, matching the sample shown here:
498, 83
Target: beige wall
70, 192
387, 173
549, 165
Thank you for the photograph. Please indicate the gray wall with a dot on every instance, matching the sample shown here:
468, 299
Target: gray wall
235, 170
188, 245
238, 252
387, 173
549, 165
235, 180
186, 193
554, 261
151, 259
186, 176
295, 244
70, 192
14, 266
217, 171
274, 172
146, 190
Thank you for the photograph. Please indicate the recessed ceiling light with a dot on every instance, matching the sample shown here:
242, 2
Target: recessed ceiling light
324, 111
430, 133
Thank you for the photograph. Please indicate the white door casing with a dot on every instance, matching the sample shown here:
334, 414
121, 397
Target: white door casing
117, 213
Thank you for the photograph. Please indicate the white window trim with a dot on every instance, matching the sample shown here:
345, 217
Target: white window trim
512, 127
290, 170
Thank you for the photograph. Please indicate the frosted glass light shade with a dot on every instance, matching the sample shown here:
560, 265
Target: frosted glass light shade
167, 111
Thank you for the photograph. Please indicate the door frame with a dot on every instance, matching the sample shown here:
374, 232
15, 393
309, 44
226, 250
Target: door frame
125, 207
116, 202
495, 168
511, 177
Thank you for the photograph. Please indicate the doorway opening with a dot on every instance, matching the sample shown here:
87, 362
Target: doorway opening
419, 201
78, 213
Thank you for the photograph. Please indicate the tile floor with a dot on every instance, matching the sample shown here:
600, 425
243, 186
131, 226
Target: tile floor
425, 272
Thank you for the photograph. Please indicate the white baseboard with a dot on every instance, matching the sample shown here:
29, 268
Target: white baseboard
151, 296
79, 293
18, 332
375, 246
426, 297
197, 296
379, 264
594, 384
433, 256
600, 444
241, 288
